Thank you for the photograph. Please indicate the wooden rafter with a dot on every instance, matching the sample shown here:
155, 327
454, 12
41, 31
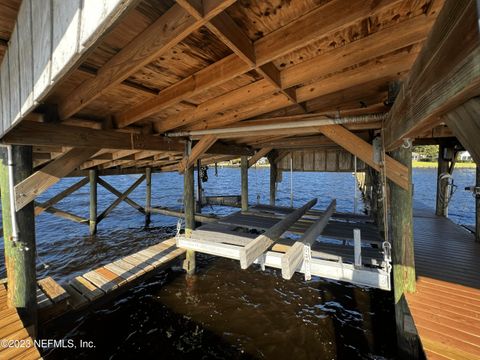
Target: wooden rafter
198, 150
258, 155
171, 28
394, 170
445, 74
306, 29
27, 190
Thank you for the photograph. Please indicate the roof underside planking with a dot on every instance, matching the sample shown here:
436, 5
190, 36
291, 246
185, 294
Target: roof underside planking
167, 66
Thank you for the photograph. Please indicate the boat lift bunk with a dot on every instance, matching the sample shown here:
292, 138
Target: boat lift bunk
337, 246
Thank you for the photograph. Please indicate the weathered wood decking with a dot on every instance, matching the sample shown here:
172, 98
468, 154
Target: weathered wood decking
12, 328
446, 306
105, 281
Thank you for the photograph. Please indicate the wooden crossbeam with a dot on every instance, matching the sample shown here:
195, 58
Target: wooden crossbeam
260, 244
293, 258
198, 150
114, 191
394, 170
28, 133
170, 29
445, 74
258, 155
28, 189
121, 198
299, 33
41, 207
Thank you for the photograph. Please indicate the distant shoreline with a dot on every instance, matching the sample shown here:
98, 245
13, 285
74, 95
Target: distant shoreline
434, 165
415, 165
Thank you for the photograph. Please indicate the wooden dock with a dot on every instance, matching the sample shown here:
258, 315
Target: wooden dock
12, 328
103, 282
446, 306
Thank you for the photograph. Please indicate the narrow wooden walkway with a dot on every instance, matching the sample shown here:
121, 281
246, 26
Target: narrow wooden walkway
12, 328
104, 282
446, 306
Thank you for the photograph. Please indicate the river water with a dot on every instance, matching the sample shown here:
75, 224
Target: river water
222, 312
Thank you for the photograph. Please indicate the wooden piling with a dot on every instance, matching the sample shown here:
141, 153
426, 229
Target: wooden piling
93, 177
148, 195
273, 177
19, 252
244, 175
403, 257
199, 187
441, 208
189, 204
477, 207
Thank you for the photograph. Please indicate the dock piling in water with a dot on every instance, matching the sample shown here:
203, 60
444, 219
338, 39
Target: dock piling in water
19, 235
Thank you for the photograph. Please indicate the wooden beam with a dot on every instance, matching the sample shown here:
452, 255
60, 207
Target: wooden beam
170, 29
244, 182
306, 29
384, 41
27, 190
294, 256
28, 132
394, 170
258, 155
189, 209
41, 207
148, 195
93, 179
198, 150
260, 244
121, 198
445, 74
119, 194
464, 121
61, 213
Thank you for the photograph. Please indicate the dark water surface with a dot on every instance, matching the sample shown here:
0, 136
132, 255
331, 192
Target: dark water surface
223, 312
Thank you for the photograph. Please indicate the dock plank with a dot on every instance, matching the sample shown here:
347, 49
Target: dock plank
446, 305
86, 288
75, 300
54, 291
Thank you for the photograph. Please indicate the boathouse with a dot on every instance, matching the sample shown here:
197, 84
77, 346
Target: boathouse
90, 88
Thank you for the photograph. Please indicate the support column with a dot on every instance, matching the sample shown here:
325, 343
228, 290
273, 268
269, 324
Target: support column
441, 208
403, 258
93, 177
477, 207
244, 175
189, 203
148, 195
199, 187
273, 178
19, 244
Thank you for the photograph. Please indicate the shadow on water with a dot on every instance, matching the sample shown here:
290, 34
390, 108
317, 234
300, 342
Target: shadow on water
227, 313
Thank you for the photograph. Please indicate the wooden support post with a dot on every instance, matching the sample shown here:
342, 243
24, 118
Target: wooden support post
477, 207
148, 195
199, 187
19, 242
441, 208
244, 176
403, 257
189, 204
273, 178
92, 174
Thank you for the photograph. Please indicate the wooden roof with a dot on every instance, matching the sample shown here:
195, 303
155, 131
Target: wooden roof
169, 67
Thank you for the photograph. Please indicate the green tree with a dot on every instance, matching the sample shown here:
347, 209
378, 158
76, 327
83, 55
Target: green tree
429, 151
